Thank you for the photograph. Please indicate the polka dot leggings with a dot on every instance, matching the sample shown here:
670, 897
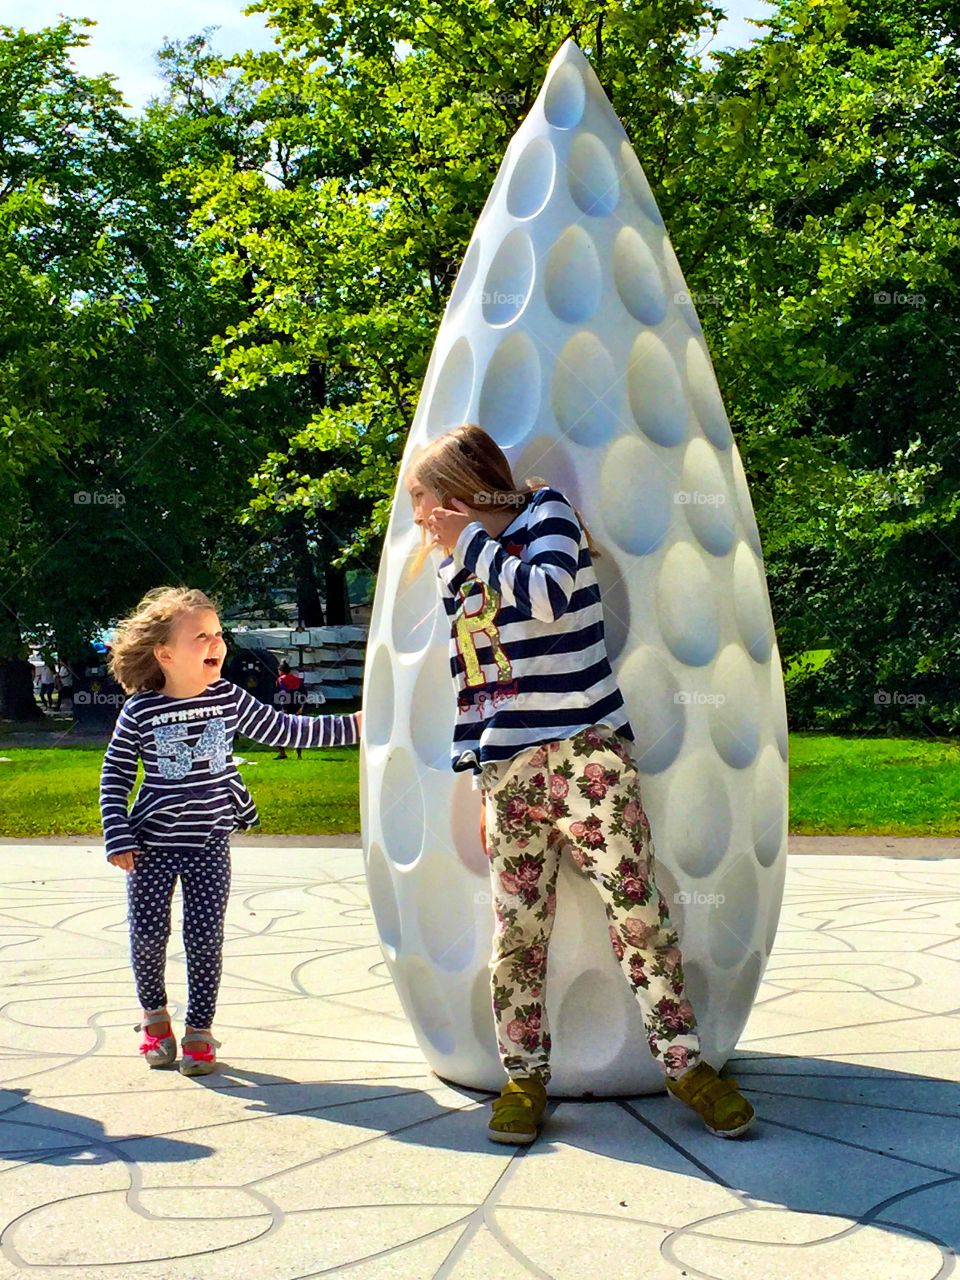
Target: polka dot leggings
205, 884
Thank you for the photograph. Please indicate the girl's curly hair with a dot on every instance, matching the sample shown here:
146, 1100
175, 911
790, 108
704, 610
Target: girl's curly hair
132, 662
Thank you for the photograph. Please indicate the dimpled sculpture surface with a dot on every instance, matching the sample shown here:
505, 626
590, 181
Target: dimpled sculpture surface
570, 338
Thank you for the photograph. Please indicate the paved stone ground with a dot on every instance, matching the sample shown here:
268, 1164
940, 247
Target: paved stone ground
326, 1147
869, 846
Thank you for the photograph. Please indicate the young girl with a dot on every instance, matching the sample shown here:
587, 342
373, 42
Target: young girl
181, 722
542, 725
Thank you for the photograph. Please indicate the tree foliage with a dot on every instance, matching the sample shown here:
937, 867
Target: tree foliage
307, 210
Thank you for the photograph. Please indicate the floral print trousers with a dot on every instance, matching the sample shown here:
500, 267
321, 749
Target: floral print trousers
582, 794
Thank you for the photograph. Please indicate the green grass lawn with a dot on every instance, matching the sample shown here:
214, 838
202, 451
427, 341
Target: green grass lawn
54, 791
874, 786
838, 786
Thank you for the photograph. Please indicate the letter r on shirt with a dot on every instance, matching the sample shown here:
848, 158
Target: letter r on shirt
481, 622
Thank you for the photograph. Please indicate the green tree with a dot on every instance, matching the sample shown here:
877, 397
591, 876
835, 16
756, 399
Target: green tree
387, 128
291, 223
213, 117
122, 463
800, 178
57, 301
831, 240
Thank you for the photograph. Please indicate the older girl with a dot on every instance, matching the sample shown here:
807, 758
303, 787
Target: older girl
542, 726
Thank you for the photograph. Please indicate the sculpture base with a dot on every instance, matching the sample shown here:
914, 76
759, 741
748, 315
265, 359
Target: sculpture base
570, 1095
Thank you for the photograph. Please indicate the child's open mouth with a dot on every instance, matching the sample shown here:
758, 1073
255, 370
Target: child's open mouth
211, 662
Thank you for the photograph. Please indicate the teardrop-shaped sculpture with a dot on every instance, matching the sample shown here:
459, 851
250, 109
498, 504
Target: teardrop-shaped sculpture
571, 338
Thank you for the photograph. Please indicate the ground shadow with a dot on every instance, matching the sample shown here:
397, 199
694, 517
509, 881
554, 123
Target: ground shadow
33, 1132
872, 1146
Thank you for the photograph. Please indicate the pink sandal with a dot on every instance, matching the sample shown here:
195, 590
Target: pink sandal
159, 1051
199, 1061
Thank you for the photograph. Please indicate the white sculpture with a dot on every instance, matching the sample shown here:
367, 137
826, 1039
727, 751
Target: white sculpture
571, 339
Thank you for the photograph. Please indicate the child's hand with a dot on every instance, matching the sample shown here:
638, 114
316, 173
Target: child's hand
447, 523
359, 716
123, 860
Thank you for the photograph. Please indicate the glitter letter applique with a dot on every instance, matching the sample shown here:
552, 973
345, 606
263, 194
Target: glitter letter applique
175, 756
482, 622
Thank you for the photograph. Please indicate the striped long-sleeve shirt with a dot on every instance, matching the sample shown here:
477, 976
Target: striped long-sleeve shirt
527, 650
191, 788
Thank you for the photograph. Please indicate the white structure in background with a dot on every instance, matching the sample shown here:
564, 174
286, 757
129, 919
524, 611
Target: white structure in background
330, 659
571, 338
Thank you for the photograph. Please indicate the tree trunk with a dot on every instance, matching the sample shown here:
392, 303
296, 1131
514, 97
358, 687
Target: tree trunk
309, 606
16, 691
16, 673
338, 601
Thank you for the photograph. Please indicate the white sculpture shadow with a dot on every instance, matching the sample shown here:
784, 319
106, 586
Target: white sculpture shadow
570, 337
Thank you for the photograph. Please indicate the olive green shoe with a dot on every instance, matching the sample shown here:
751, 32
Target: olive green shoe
518, 1112
717, 1101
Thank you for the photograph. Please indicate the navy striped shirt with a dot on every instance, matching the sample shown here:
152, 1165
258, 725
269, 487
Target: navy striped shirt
527, 650
191, 788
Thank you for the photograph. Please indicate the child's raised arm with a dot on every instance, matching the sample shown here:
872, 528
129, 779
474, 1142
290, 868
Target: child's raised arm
257, 720
117, 776
542, 585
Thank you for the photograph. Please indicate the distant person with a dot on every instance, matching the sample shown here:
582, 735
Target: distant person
64, 684
181, 721
48, 682
292, 683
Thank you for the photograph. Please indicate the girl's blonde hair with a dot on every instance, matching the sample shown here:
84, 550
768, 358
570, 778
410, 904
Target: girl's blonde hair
467, 463
132, 662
